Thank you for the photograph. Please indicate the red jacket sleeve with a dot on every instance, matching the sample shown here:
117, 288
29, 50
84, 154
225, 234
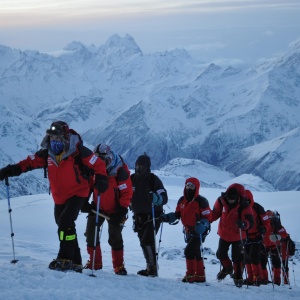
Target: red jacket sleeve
217, 210
35, 161
124, 186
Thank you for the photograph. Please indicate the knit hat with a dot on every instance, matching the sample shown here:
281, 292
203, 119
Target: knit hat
144, 160
142, 165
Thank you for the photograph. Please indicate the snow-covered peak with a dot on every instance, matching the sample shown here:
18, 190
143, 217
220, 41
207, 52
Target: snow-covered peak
74, 46
126, 44
152, 103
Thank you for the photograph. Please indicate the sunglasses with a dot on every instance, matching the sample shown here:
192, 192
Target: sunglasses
190, 185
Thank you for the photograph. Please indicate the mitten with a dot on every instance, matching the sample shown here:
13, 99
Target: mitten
10, 171
169, 218
202, 227
157, 199
101, 183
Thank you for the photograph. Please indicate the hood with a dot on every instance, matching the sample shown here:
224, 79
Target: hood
238, 187
194, 181
249, 197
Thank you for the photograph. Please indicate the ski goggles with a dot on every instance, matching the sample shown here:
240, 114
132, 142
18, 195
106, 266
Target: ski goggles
190, 185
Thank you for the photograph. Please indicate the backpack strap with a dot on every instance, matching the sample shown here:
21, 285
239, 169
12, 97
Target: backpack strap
85, 171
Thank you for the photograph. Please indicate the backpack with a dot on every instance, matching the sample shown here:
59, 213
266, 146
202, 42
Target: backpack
275, 221
291, 246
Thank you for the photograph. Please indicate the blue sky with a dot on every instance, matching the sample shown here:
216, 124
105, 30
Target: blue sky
208, 30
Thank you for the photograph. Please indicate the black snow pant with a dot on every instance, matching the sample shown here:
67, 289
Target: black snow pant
65, 217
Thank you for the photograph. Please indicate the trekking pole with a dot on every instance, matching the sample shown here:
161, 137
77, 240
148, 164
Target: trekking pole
268, 263
202, 252
293, 271
161, 229
11, 228
285, 267
271, 275
282, 266
154, 235
95, 236
244, 255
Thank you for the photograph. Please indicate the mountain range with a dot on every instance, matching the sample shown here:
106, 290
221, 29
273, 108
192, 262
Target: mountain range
239, 118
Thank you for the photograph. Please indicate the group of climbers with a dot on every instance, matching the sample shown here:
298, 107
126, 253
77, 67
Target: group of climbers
75, 173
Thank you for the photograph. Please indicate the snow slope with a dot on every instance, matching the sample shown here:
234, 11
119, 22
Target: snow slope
36, 244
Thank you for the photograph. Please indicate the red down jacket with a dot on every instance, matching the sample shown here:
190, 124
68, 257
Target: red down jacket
65, 178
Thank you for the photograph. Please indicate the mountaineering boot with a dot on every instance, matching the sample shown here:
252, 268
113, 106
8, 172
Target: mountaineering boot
61, 265
150, 256
190, 271
150, 271
143, 272
199, 271
226, 270
118, 262
98, 258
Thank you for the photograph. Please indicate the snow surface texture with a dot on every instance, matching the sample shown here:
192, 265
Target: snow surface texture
36, 244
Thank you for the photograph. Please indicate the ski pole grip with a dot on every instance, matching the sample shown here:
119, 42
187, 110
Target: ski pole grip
6, 181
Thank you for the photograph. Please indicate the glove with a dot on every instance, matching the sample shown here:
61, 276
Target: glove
241, 224
157, 199
202, 227
262, 229
169, 218
275, 237
9, 171
101, 183
117, 218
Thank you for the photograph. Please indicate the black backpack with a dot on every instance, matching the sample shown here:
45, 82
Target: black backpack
291, 246
275, 221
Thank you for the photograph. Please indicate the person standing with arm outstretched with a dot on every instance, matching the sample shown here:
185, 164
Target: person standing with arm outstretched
67, 160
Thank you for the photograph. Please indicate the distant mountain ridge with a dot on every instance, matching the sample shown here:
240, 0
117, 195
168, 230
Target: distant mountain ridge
166, 104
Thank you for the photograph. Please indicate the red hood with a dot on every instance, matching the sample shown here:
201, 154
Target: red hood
249, 196
238, 187
194, 181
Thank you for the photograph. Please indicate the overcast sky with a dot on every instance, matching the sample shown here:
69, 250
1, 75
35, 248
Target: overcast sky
209, 30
